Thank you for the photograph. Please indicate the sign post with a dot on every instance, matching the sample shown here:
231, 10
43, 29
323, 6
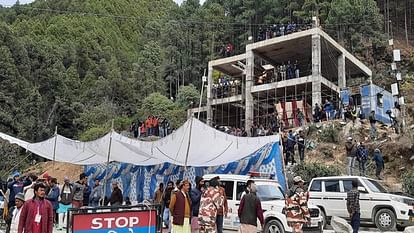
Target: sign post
123, 219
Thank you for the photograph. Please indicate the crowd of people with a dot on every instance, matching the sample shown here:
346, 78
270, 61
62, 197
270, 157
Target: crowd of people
350, 112
227, 50
267, 32
289, 143
328, 111
357, 152
152, 126
235, 131
37, 204
274, 124
202, 208
277, 30
226, 87
279, 73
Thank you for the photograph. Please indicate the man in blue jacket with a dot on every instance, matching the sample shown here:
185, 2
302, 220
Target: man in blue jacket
195, 200
327, 107
290, 148
15, 186
379, 162
96, 194
53, 196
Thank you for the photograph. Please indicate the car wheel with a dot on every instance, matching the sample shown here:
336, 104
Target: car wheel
385, 220
273, 226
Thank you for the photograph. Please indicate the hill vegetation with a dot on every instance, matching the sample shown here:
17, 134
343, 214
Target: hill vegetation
77, 64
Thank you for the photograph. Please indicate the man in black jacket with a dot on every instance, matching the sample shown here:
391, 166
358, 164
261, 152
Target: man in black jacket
250, 210
301, 146
167, 199
116, 198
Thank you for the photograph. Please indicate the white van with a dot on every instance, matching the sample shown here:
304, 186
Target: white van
272, 198
387, 211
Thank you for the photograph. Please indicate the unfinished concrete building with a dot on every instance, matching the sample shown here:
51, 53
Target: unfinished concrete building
249, 87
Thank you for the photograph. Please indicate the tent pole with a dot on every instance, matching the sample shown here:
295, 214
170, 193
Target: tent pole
107, 163
204, 78
189, 142
54, 148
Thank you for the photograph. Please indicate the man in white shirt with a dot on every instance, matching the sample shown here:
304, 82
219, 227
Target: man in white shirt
15, 211
395, 116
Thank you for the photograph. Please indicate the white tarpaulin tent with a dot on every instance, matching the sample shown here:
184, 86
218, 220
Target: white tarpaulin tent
193, 144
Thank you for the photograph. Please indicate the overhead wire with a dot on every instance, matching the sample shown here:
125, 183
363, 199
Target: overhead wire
235, 26
127, 17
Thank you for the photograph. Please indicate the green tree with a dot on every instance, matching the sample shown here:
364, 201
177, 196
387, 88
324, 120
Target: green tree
317, 8
188, 96
354, 21
156, 104
159, 105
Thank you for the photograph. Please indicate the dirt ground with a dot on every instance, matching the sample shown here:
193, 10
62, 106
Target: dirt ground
397, 150
58, 170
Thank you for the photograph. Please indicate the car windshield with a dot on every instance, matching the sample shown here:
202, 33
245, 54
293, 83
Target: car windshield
269, 192
374, 186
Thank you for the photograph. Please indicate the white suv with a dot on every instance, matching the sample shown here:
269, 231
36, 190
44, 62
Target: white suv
387, 211
272, 199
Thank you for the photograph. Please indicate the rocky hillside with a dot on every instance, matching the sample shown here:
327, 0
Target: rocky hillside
57, 170
327, 146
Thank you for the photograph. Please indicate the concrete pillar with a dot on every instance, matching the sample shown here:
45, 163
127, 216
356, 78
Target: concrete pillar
316, 55
249, 114
316, 70
341, 71
210, 95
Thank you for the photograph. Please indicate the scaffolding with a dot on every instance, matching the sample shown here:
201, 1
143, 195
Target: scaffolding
277, 78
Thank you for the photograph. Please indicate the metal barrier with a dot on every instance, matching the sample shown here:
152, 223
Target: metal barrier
116, 219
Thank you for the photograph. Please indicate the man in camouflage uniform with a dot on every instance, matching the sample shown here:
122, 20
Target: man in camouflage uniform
211, 201
297, 212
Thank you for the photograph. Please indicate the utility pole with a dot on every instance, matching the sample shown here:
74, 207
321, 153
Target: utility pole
396, 87
204, 79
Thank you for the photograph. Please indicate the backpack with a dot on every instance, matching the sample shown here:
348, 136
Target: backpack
362, 153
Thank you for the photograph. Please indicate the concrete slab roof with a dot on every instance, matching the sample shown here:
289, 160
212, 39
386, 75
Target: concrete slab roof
298, 47
229, 65
352, 59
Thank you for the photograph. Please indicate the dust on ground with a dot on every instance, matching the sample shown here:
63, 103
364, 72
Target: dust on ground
56, 169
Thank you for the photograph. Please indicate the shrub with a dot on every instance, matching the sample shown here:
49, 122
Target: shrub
329, 134
408, 182
308, 171
312, 129
94, 133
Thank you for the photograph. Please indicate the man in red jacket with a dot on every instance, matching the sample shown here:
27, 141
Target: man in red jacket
37, 213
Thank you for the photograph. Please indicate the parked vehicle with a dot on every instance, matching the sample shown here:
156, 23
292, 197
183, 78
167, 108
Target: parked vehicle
273, 201
386, 210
